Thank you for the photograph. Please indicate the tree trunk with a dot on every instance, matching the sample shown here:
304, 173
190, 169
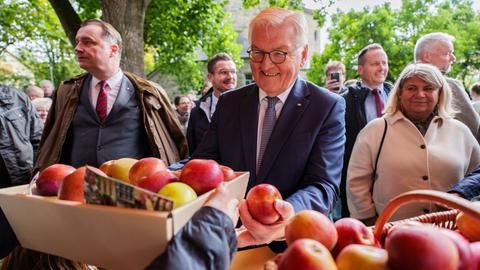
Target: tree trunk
68, 18
128, 18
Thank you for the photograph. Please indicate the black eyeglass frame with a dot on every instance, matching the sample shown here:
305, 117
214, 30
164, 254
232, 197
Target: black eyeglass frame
249, 51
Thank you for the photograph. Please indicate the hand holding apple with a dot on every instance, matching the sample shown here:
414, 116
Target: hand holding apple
256, 233
222, 200
260, 201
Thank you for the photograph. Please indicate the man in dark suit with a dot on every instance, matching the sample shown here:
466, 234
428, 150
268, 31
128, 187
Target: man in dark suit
284, 130
364, 102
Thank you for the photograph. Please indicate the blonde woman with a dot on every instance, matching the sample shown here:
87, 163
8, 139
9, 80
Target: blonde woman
415, 145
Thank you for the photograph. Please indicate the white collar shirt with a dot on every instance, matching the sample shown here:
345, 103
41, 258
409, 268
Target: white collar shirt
112, 89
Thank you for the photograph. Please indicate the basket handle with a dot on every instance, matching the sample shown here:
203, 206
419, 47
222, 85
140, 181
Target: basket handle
424, 195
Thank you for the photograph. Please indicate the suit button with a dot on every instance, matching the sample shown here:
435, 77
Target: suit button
422, 146
99, 148
425, 177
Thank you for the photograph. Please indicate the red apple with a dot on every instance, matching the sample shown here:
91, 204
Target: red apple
420, 248
306, 254
228, 173
71, 188
475, 248
157, 180
313, 225
144, 168
361, 257
466, 259
105, 167
49, 179
352, 231
260, 201
202, 175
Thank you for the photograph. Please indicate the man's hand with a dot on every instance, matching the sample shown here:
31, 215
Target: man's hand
222, 200
255, 233
333, 85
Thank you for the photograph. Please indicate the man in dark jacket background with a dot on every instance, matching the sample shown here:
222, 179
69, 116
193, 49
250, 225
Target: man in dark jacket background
364, 102
222, 73
20, 133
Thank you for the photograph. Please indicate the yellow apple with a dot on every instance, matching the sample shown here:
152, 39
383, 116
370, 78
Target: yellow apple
179, 193
119, 168
362, 257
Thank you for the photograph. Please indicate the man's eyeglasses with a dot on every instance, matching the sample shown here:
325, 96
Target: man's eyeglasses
226, 72
276, 56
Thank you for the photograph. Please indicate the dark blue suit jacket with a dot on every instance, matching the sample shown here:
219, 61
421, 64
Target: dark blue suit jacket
304, 157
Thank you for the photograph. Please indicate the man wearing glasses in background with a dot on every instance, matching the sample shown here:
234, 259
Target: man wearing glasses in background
222, 73
284, 130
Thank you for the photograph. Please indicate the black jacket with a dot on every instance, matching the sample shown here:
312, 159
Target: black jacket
207, 241
199, 121
355, 120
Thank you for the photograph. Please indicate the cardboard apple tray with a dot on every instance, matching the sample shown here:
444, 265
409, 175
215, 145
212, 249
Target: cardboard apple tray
104, 236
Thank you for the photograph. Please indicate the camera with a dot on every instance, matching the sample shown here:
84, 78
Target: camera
335, 76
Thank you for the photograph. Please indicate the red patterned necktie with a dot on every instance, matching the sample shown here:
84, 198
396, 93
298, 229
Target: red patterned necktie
102, 101
378, 102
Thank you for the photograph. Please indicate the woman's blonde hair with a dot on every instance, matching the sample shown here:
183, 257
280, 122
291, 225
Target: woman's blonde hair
430, 75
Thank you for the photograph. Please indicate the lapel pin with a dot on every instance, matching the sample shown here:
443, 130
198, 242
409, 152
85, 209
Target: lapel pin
299, 104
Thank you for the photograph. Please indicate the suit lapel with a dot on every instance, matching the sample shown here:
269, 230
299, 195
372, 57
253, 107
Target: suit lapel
292, 111
125, 93
249, 126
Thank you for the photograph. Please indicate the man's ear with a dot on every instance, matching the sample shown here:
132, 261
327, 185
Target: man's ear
304, 55
210, 76
426, 57
360, 70
115, 49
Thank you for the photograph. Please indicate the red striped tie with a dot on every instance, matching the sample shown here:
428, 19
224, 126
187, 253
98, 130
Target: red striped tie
102, 101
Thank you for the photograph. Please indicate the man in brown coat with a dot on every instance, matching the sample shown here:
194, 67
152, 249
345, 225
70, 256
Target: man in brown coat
107, 113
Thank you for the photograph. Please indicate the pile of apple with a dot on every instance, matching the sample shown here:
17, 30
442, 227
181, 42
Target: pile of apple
197, 177
316, 243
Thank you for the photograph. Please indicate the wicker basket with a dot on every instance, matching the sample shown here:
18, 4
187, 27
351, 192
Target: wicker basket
445, 219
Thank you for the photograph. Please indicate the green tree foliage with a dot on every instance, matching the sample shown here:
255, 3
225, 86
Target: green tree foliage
177, 31
397, 31
39, 41
174, 32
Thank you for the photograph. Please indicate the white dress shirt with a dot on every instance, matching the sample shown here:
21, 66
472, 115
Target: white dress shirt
112, 89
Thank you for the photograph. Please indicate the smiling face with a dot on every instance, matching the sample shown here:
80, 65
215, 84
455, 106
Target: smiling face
224, 76
95, 54
374, 69
418, 99
276, 78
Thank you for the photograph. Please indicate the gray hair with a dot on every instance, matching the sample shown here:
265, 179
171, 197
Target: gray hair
33, 88
428, 42
46, 82
279, 16
42, 102
430, 75
108, 31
